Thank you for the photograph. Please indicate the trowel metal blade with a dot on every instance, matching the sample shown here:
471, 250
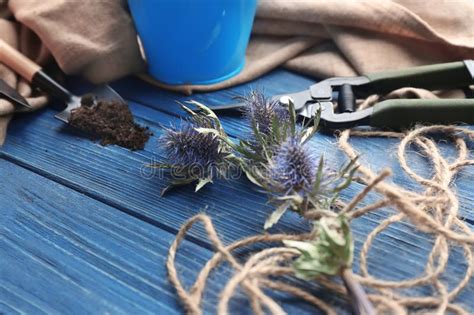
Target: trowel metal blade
102, 92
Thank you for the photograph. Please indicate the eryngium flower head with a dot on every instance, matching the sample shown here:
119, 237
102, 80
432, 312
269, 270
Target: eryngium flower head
293, 167
261, 111
185, 147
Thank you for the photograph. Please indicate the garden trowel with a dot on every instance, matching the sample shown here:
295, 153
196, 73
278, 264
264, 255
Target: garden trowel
33, 73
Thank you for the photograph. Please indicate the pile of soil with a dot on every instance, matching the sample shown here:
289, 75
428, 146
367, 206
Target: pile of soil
110, 122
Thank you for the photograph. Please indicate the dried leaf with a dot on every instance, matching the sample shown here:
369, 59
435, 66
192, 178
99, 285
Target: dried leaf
331, 251
202, 182
208, 131
276, 215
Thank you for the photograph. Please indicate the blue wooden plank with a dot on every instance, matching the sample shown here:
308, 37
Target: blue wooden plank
62, 252
112, 175
320, 142
277, 82
372, 151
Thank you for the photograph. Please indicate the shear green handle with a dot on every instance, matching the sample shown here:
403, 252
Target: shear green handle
405, 113
432, 77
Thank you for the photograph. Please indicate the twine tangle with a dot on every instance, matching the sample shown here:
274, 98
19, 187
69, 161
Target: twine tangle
433, 210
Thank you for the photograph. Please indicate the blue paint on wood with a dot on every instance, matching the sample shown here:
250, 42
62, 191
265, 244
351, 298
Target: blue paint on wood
62, 252
373, 152
90, 217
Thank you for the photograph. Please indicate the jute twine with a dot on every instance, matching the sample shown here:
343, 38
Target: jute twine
433, 209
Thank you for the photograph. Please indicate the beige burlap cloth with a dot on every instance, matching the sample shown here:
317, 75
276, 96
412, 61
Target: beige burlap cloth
320, 38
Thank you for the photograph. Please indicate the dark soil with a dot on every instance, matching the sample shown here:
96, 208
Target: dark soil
110, 122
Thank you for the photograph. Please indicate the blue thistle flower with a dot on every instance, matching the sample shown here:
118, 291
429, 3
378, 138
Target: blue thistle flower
261, 111
293, 167
184, 146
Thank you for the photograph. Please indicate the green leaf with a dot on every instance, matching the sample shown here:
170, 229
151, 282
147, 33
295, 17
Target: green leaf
275, 216
344, 184
176, 183
251, 175
261, 139
202, 182
276, 129
291, 109
304, 247
208, 131
348, 172
351, 166
319, 175
317, 117
328, 253
242, 148
309, 132
252, 179
188, 110
295, 198
209, 113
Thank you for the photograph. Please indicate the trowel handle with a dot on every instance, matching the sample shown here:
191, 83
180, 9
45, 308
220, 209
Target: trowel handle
31, 71
13, 59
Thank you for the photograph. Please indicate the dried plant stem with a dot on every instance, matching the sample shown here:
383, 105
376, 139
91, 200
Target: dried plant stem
361, 304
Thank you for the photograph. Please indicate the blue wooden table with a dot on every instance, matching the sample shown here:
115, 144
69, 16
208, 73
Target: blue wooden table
84, 230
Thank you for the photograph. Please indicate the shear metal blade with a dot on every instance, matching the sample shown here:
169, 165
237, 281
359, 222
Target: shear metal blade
299, 99
12, 95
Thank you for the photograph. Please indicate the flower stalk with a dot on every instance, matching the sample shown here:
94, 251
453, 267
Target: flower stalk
361, 304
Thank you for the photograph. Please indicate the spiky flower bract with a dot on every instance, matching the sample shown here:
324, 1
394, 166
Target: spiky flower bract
271, 123
196, 149
262, 111
292, 167
185, 146
295, 180
276, 158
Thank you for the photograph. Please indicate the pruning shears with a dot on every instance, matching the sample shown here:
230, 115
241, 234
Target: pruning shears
390, 113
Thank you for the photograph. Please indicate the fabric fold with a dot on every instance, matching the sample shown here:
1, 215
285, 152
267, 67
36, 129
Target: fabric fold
97, 39
93, 38
9, 32
364, 36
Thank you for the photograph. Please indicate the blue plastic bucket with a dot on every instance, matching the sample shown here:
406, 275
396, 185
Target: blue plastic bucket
194, 41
